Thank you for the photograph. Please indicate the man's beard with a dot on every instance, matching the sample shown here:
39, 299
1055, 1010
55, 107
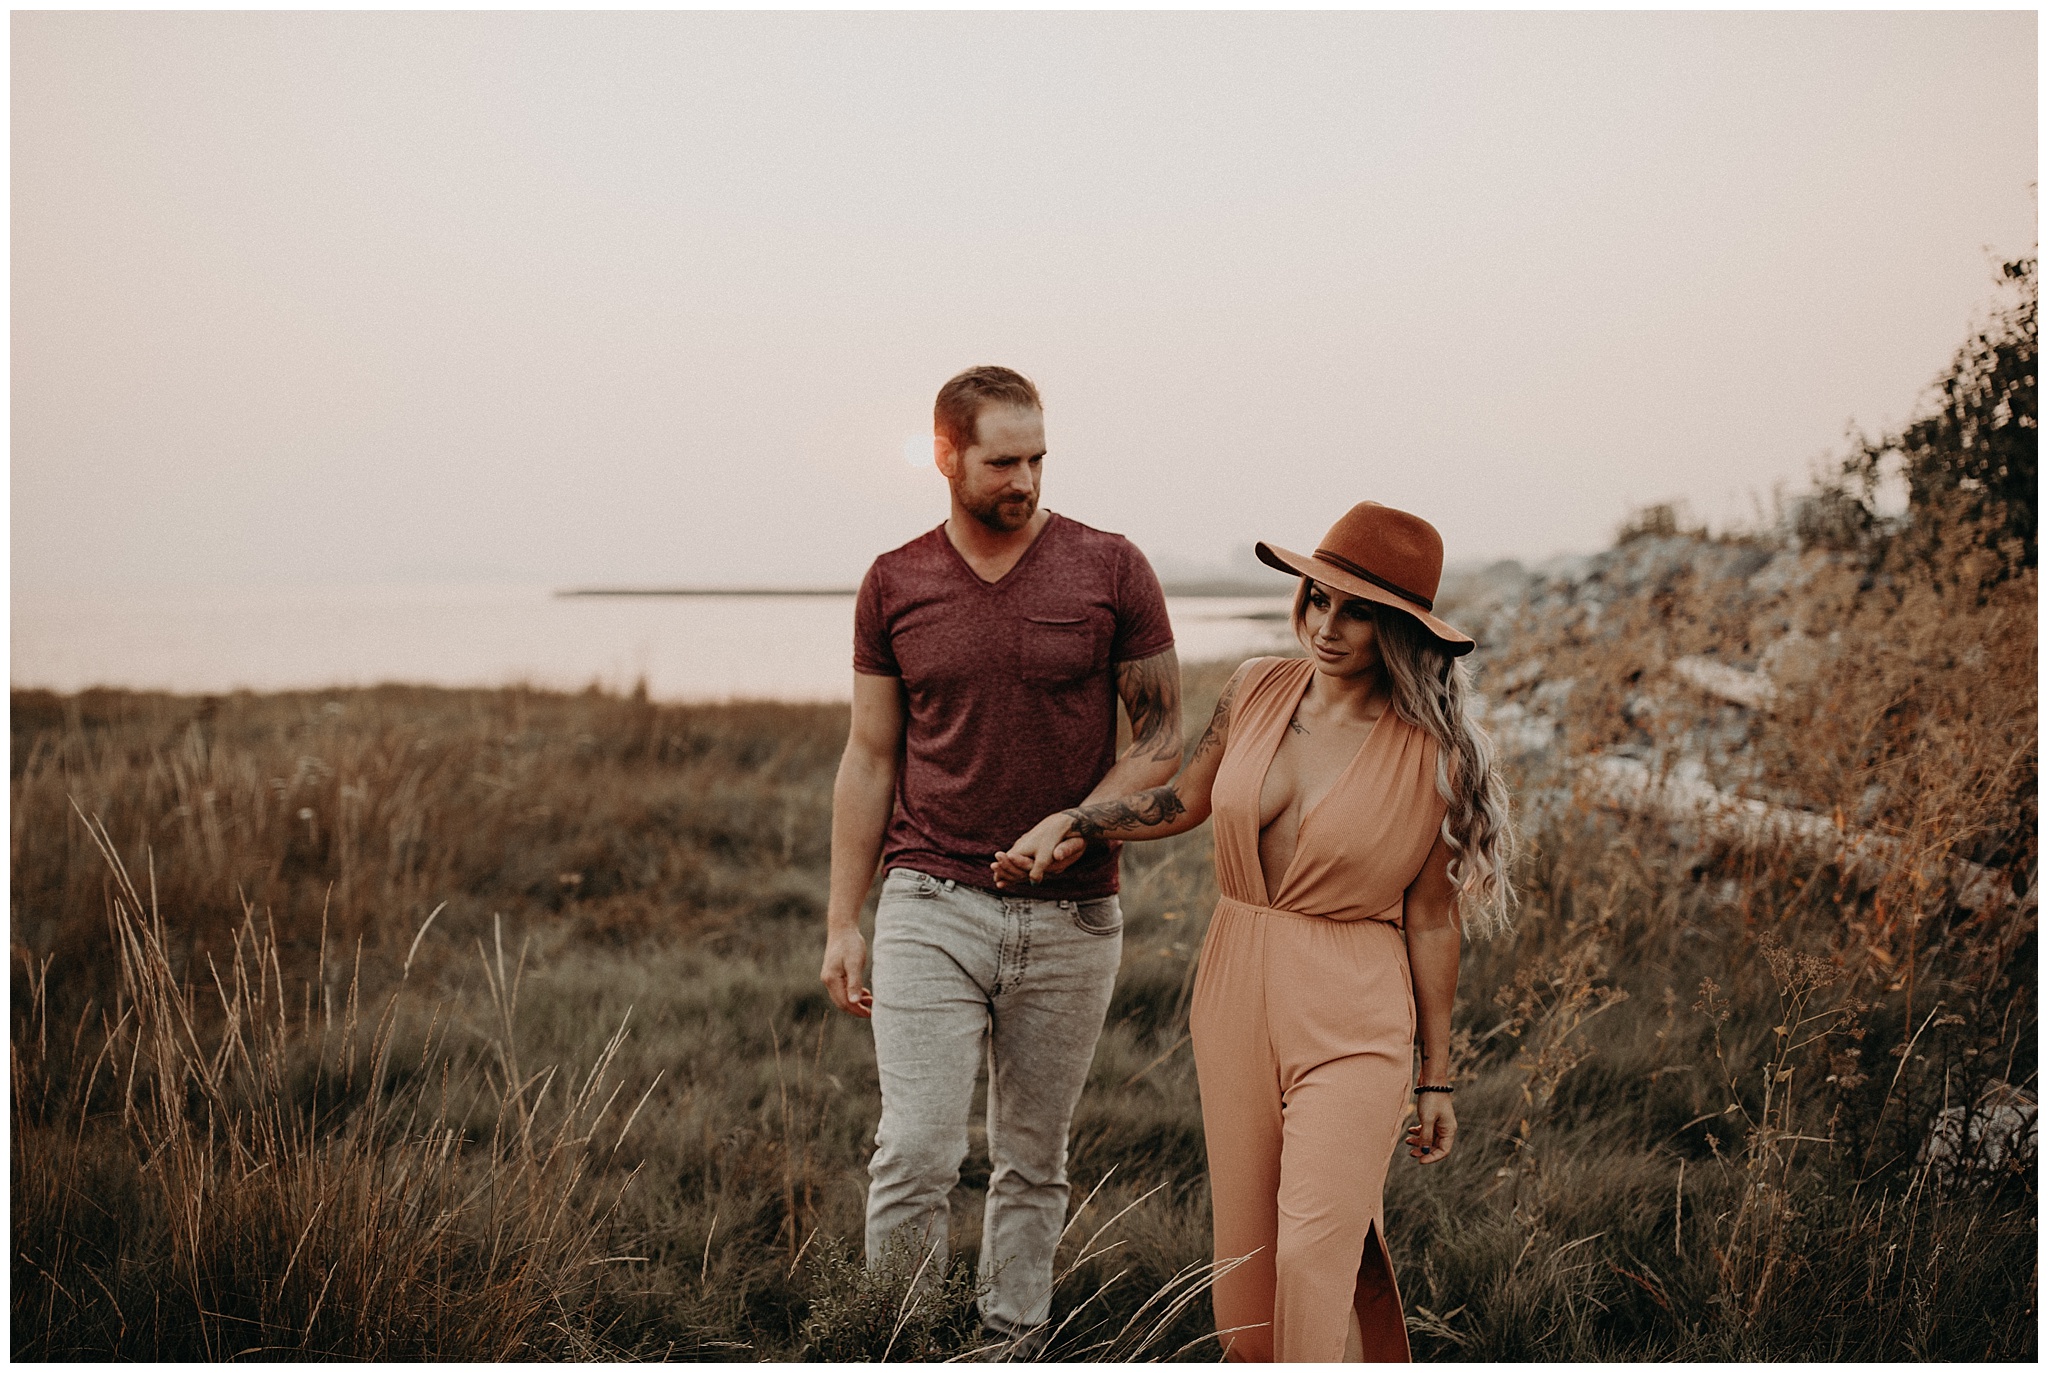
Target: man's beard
1002, 514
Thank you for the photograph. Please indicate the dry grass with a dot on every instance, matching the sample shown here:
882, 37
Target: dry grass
257, 1175
262, 1104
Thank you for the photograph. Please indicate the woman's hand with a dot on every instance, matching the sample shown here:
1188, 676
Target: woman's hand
1436, 1125
1049, 849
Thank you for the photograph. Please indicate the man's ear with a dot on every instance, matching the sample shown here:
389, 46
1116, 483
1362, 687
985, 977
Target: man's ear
945, 457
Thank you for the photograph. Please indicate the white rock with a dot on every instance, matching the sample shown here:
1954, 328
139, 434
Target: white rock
1683, 796
2003, 1129
1716, 678
1789, 570
1516, 730
1552, 695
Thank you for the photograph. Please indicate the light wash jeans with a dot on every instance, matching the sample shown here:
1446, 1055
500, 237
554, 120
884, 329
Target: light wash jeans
960, 972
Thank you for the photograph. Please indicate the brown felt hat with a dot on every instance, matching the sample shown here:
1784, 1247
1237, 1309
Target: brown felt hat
1379, 554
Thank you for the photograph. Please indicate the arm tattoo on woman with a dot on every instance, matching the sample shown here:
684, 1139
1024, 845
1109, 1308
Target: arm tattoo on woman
1145, 809
1150, 688
1219, 719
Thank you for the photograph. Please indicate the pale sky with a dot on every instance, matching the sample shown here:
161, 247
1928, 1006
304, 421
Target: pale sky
663, 298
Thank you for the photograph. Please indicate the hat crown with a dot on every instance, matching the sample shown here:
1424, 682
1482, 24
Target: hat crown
1401, 551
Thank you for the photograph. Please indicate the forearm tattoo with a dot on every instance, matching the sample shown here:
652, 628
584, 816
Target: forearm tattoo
1150, 688
1160, 805
1219, 719
1143, 810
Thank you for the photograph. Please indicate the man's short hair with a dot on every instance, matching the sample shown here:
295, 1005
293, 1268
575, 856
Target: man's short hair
956, 417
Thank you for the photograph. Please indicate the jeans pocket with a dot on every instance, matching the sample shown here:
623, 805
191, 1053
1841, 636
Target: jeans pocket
909, 882
1104, 917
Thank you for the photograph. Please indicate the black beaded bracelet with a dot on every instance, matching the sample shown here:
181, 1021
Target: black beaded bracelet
1422, 1087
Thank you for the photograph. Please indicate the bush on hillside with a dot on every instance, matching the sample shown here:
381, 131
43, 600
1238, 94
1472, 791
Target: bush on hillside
1970, 458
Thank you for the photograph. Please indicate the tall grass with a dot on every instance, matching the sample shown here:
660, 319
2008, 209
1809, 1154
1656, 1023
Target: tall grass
486, 1024
259, 1175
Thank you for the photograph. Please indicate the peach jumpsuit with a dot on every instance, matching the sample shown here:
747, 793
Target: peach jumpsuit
1304, 1025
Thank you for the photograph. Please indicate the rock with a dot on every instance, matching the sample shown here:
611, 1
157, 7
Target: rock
1522, 674
1683, 796
1789, 570
2000, 1133
1752, 689
1552, 695
1517, 731
1793, 660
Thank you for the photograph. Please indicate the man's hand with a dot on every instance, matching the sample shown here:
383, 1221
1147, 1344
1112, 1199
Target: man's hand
1049, 849
1436, 1125
861, 797
846, 957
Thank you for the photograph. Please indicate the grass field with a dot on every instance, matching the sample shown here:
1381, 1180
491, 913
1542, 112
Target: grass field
403, 1022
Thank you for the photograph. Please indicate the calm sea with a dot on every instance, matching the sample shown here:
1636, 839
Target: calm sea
796, 648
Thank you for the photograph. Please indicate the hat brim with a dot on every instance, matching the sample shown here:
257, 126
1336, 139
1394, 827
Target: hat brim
1329, 574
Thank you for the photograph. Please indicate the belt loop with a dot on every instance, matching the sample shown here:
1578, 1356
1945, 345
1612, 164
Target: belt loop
949, 884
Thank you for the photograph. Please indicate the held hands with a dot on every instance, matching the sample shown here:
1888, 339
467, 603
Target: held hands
1048, 850
1436, 1125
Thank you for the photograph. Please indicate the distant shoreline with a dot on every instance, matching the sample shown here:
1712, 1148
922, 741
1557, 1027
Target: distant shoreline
1215, 589
690, 642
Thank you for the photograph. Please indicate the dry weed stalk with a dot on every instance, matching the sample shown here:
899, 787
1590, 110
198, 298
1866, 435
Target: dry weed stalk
1755, 1252
1549, 1002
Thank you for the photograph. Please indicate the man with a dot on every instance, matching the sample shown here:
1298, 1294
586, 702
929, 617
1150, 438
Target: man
989, 656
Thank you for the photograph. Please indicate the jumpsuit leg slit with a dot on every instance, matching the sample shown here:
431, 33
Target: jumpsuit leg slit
1383, 1331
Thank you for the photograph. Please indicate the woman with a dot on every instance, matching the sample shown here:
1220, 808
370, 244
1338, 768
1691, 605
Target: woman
1357, 817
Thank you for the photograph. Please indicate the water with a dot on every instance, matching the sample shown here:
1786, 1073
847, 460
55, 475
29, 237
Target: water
796, 648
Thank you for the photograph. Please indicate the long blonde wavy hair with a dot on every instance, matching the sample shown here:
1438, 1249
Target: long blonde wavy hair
1429, 689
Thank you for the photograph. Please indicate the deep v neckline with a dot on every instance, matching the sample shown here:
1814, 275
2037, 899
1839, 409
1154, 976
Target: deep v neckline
1259, 797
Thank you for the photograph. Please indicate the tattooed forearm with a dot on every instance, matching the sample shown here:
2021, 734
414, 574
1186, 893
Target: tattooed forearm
1150, 688
1219, 719
1144, 810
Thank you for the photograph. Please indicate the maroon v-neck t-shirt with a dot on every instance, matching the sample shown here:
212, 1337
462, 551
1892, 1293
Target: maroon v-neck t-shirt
1010, 689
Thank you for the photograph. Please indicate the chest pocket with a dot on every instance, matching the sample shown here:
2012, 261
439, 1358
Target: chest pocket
1058, 650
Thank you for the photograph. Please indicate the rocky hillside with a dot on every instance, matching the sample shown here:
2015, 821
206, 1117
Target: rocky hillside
1874, 713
